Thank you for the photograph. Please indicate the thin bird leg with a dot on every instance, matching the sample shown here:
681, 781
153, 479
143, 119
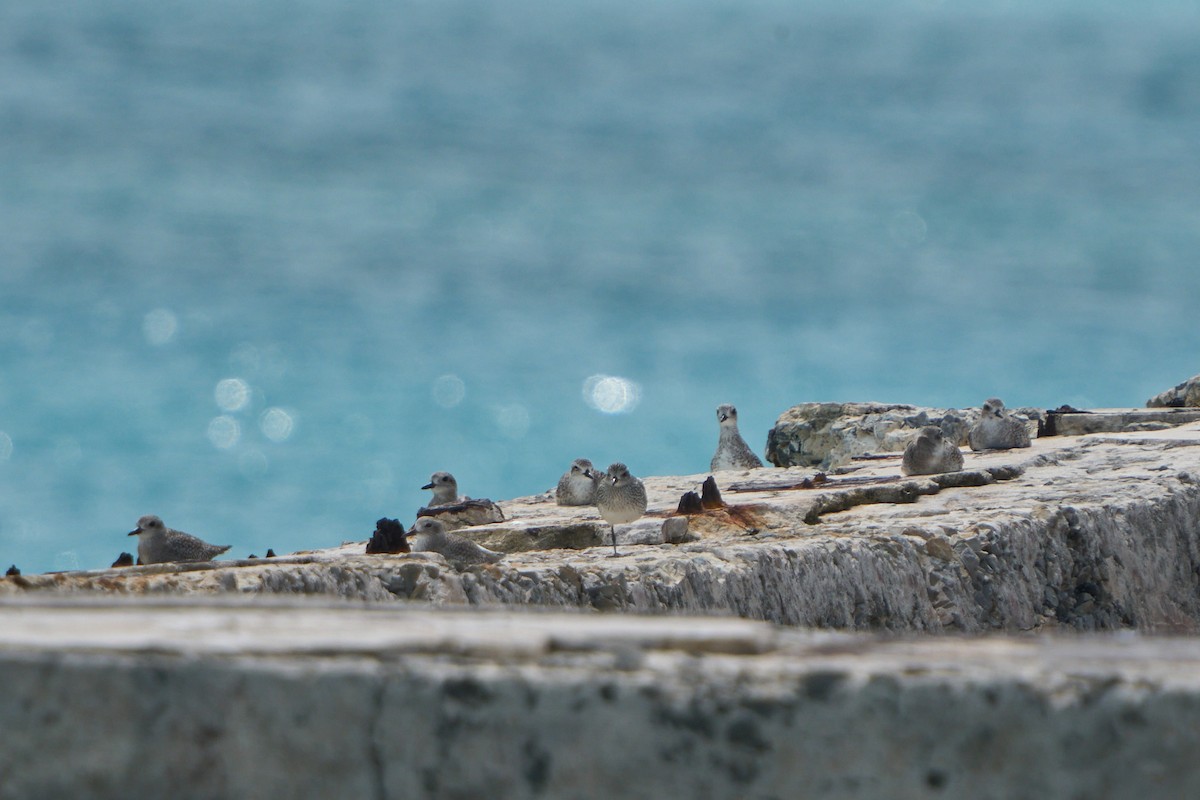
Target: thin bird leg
614, 533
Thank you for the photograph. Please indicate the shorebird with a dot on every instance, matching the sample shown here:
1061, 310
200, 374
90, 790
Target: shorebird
931, 453
996, 430
445, 488
455, 511
577, 486
620, 498
157, 543
428, 535
732, 450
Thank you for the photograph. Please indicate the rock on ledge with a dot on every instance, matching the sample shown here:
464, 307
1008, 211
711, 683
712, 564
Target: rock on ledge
831, 434
1185, 395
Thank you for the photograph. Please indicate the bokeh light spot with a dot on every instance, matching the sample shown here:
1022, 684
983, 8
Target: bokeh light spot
232, 394
609, 394
276, 424
449, 391
160, 326
224, 432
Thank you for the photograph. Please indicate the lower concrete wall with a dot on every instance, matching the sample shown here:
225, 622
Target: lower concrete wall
324, 702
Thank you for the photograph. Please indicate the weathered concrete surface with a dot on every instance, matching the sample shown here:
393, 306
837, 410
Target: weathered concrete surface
1093, 532
578, 534
257, 700
829, 435
1186, 394
1116, 420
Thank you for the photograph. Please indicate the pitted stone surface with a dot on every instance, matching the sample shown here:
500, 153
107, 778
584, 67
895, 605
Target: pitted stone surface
830, 435
1186, 394
1093, 532
211, 698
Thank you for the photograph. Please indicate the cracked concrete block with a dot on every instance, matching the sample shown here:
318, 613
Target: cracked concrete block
116, 700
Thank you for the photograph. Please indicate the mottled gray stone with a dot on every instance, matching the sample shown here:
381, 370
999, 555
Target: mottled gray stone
464, 512
1186, 394
1124, 420
299, 700
520, 535
831, 434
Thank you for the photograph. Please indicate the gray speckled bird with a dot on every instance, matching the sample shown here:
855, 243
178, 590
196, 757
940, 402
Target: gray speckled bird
732, 450
454, 510
428, 535
577, 486
931, 453
158, 544
620, 498
996, 430
445, 489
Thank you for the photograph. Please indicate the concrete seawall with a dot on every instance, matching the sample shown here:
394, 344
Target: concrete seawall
334, 673
254, 700
1089, 532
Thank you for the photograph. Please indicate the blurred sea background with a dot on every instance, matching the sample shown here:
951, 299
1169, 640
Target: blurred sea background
266, 265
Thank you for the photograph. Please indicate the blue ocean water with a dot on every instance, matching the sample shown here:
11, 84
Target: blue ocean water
266, 265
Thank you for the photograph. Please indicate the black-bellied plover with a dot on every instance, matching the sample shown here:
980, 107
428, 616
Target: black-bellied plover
157, 543
428, 535
620, 498
931, 453
445, 489
455, 511
577, 486
996, 430
732, 450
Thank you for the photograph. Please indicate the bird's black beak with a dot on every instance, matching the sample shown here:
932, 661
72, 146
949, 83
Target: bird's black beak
723, 417
588, 473
427, 486
134, 533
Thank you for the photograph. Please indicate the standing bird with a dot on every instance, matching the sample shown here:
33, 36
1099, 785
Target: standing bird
620, 498
732, 450
931, 453
428, 535
577, 486
445, 488
996, 430
158, 544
